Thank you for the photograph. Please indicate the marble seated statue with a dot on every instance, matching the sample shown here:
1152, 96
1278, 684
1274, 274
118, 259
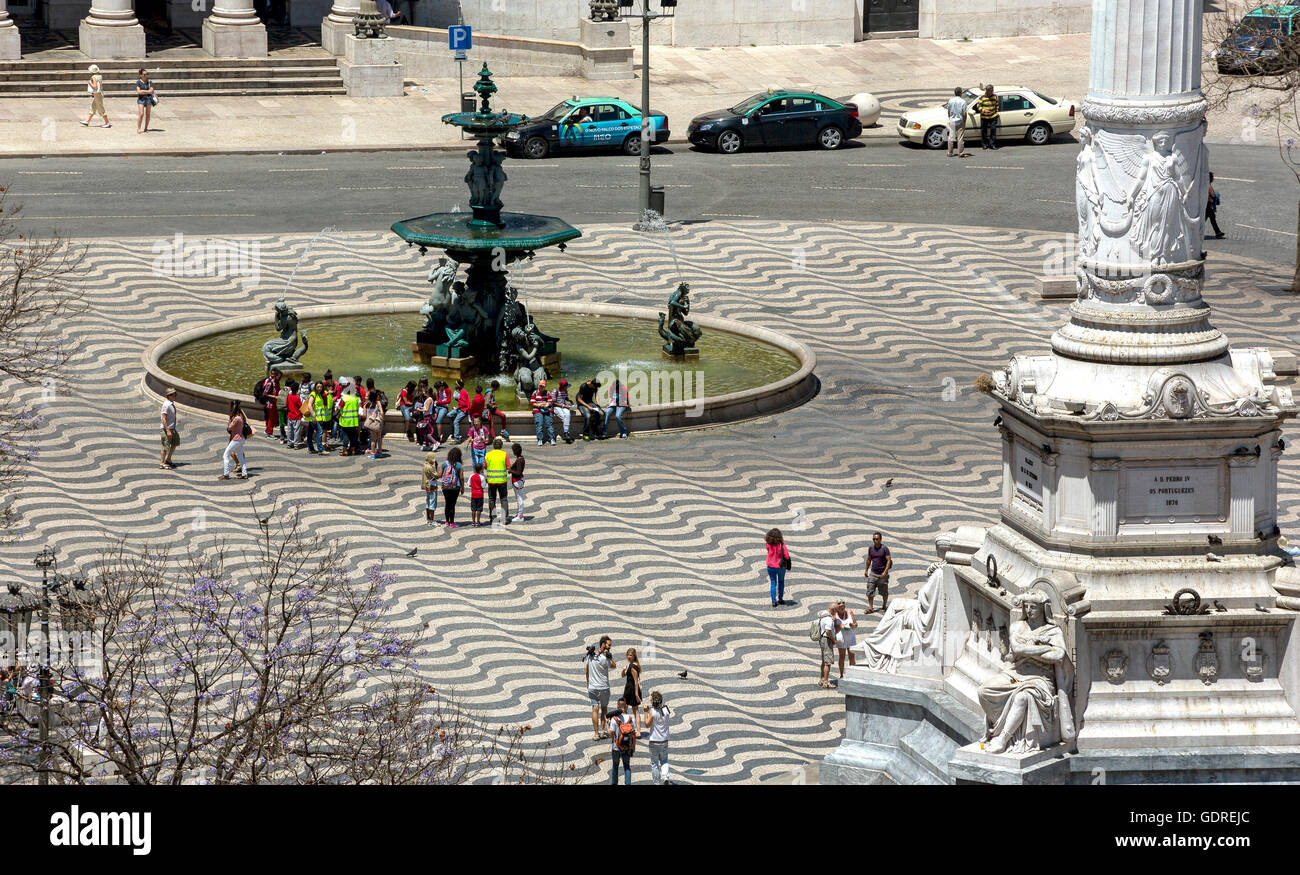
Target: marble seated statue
1027, 704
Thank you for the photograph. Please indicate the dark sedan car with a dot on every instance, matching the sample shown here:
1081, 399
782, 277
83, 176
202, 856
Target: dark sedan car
777, 118
1253, 54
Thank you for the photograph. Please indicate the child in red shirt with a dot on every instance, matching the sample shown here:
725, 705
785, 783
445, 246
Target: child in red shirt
293, 405
476, 494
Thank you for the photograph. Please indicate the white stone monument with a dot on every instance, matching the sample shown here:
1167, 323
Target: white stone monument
369, 67
1131, 614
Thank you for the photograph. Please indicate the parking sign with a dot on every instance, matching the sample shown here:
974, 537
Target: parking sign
458, 38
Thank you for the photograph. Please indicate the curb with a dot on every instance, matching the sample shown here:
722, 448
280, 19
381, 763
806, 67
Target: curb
200, 152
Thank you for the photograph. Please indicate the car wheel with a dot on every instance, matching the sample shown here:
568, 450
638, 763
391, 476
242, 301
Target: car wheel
1039, 133
632, 145
830, 138
536, 147
729, 142
935, 137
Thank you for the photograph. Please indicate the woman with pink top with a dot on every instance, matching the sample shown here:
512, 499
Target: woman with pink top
778, 560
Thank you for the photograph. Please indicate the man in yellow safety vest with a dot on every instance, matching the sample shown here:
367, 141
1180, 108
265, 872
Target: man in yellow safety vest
497, 465
350, 422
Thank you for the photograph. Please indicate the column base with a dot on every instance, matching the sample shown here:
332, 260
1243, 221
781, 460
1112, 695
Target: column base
97, 41
369, 68
180, 13
10, 44
333, 35
234, 40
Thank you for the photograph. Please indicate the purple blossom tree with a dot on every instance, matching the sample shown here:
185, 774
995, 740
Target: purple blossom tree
276, 663
35, 303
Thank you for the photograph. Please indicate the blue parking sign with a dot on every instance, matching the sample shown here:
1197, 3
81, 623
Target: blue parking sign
459, 38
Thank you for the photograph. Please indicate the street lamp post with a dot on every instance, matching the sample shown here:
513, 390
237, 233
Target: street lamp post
667, 9
45, 560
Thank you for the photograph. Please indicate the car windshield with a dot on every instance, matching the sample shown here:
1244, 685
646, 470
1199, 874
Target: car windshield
969, 96
1043, 97
1259, 23
746, 105
560, 110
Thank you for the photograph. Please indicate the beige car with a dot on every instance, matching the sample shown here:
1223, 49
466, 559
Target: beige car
1024, 115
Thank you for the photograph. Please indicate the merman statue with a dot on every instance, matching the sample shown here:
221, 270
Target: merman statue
680, 333
284, 352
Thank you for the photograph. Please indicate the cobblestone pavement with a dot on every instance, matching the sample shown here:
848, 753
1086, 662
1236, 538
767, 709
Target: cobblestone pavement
656, 541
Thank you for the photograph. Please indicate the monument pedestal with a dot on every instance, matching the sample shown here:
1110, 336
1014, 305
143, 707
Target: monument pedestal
688, 354
369, 68
606, 49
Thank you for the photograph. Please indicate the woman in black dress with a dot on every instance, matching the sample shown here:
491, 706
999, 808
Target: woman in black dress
632, 687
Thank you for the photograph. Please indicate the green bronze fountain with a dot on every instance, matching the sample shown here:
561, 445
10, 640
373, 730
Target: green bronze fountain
479, 325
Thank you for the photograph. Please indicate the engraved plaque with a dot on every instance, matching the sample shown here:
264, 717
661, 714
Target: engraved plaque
1171, 493
1027, 468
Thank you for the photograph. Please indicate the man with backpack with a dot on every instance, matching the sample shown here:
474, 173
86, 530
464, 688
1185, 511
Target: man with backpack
823, 631
623, 733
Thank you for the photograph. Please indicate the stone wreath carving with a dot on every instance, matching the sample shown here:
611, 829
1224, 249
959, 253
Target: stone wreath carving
1170, 286
1101, 112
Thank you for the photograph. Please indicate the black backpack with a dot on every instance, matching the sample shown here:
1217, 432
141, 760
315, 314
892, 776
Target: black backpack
257, 392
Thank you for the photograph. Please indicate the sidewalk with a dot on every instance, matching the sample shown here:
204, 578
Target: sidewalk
684, 82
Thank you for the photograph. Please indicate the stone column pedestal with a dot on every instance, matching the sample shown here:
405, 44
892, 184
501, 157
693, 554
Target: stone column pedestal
111, 31
10, 42
234, 31
338, 25
369, 68
606, 49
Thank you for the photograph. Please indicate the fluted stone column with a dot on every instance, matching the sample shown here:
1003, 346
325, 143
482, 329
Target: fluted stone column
1140, 191
335, 27
233, 30
10, 42
111, 30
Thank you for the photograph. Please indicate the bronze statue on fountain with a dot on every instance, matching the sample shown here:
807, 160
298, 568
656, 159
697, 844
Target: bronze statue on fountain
680, 333
479, 323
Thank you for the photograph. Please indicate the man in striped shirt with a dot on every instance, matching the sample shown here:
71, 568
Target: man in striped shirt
987, 107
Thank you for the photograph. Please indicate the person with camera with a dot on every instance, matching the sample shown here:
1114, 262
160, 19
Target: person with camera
623, 733
656, 720
599, 661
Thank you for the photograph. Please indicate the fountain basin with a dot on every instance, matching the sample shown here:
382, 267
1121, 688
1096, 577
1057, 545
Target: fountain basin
799, 385
458, 231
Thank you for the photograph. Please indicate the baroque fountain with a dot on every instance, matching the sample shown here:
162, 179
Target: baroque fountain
479, 324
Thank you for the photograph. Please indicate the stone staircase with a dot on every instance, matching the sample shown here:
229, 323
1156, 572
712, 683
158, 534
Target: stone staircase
176, 77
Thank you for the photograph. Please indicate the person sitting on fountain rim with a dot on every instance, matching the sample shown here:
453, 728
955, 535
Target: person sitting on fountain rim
490, 406
461, 413
441, 405
542, 404
616, 406
563, 407
591, 414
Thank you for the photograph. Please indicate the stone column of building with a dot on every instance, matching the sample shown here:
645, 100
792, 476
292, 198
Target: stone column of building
10, 42
233, 30
111, 30
1141, 189
335, 27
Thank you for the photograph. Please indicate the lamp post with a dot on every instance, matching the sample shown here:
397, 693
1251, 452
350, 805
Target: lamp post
667, 9
45, 560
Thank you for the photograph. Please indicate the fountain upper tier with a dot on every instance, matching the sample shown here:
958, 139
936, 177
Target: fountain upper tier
459, 231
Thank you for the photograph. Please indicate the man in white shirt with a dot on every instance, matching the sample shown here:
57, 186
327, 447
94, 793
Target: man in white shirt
957, 124
656, 720
827, 626
171, 438
597, 671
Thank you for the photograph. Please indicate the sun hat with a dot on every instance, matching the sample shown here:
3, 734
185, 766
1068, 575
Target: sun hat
541, 384
171, 391
94, 68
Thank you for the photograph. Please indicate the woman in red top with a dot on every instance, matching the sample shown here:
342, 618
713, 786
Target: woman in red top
778, 560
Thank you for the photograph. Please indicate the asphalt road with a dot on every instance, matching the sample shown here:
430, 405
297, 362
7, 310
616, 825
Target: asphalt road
1018, 186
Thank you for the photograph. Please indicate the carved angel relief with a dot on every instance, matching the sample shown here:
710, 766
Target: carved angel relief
1140, 200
